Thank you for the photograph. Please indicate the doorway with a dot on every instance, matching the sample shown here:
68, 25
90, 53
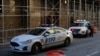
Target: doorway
23, 8
0, 7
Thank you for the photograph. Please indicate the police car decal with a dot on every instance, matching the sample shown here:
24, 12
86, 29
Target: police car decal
52, 39
81, 27
36, 39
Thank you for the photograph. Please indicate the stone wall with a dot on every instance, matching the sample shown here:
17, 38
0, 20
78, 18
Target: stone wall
35, 13
11, 21
64, 18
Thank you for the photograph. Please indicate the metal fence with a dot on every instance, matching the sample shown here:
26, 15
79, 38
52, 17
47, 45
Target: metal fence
20, 16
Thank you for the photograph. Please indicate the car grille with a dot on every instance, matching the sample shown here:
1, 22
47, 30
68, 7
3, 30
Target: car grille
14, 44
75, 30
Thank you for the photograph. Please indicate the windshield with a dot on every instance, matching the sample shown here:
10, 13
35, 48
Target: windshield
78, 24
37, 31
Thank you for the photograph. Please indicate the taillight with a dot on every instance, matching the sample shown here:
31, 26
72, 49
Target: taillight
72, 30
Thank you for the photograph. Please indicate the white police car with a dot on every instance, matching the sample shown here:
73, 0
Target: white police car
40, 38
81, 27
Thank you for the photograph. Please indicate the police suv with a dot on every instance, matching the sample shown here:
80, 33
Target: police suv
40, 38
81, 27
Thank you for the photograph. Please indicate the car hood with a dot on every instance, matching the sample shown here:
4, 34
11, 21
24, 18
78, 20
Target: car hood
23, 37
68, 31
77, 27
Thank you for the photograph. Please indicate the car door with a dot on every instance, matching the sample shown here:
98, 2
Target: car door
50, 38
60, 36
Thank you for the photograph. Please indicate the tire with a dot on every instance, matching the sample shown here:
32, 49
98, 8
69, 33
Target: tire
91, 34
67, 42
86, 35
36, 48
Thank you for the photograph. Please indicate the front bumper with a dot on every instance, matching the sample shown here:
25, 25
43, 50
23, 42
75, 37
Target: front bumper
21, 48
79, 33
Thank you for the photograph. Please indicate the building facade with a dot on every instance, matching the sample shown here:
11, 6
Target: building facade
20, 16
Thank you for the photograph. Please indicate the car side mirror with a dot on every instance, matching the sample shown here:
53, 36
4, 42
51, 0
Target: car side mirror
46, 34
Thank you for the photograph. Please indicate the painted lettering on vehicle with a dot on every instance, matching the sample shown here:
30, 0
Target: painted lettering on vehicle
52, 39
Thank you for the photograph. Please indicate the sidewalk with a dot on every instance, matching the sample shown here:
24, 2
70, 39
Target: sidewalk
1, 44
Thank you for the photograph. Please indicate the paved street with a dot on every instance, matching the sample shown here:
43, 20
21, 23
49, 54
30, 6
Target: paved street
80, 47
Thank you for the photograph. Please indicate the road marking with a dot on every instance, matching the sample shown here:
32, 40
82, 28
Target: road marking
93, 53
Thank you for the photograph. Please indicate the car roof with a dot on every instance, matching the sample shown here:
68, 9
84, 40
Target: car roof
48, 27
81, 21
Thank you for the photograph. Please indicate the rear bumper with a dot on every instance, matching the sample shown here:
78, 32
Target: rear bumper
78, 34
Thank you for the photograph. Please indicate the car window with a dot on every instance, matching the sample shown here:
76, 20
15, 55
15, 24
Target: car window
89, 26
37, 31
50, 31
59, 30
78, 24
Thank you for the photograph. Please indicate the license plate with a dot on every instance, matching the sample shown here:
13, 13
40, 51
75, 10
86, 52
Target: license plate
74, 33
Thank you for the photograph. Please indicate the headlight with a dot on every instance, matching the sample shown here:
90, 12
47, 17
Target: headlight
68, 32
27, 42
83, 30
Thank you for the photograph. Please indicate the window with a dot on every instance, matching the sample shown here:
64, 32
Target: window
37, 31
51, 31
59, 30
0, 7
78, 24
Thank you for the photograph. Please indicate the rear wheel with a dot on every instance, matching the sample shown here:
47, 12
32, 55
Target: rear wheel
67, 42
36, 48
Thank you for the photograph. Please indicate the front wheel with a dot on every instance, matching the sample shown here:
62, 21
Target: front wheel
67, 42
36, 48
86, 35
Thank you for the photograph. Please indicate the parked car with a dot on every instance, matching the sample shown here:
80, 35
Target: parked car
39, 38
81, 27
